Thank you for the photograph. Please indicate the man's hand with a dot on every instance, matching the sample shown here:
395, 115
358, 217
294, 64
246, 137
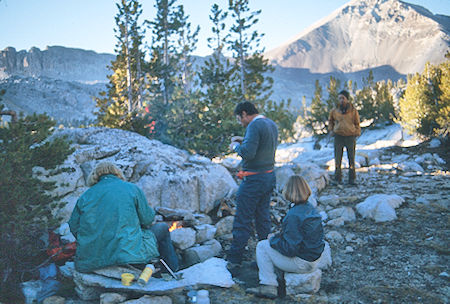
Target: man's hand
233, 145
238, 139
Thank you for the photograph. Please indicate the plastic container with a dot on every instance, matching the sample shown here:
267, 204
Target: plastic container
146, 274
192, 297
203, 297
127, 278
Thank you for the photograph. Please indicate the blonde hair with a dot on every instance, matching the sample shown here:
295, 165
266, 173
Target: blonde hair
103, 168
297, 190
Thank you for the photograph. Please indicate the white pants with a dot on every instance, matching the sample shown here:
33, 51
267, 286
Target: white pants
267, 258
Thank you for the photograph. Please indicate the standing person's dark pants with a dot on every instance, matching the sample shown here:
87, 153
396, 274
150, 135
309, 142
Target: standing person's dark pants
253, 203
349, 142
165, 246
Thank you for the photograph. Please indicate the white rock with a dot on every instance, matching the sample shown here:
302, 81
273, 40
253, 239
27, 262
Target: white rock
169, 177
380, 207
229, 162
410, 166
438, 159
205, 232
346, 213
424, 157
334, 236
400, 158
283, 174
212, 272
374, 162
338, 222
325, 259
112, 298
331, 199
323, 215
183, 238
198, 254
225, 225
302, 283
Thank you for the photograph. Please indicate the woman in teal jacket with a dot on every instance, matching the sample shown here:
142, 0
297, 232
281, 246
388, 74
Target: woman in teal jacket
112, 223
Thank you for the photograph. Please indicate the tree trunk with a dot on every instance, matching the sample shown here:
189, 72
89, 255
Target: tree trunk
127, 52
241, 56
138, 77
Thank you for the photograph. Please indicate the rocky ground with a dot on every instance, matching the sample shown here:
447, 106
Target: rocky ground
401, 261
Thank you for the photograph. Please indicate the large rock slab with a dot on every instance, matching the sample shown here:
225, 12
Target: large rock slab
169, 177
212, 272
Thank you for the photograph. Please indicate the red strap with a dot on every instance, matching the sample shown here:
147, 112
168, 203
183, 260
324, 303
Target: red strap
242, 174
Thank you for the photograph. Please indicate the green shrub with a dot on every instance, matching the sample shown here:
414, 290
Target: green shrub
425, 106
25, 203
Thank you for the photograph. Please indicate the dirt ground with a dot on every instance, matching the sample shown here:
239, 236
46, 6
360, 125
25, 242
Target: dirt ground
401, 261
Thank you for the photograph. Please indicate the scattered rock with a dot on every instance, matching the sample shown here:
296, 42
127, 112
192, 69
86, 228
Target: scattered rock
380, 207
112, 298
302, 283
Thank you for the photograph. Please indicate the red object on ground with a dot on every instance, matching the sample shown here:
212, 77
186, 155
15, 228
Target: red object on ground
59, 251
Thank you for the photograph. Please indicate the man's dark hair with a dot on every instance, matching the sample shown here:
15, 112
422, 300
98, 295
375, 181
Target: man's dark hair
246, 106
345, 93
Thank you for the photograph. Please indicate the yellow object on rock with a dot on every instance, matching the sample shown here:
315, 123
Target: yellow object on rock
127, 278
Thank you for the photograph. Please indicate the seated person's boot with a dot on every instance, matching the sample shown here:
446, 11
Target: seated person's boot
265, 291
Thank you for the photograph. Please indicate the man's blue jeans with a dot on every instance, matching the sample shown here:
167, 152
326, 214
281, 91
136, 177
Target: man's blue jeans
165, 246
253, 203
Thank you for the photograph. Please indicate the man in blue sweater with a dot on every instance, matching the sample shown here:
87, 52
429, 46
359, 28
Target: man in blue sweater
257, 149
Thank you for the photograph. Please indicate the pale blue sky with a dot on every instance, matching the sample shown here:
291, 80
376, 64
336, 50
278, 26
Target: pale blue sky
89, 24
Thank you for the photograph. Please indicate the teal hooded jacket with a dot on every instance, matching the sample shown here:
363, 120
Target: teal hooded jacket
108, 222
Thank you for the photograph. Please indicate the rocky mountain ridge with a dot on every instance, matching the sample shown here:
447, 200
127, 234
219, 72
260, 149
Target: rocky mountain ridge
56, 62
391, 38
366, 34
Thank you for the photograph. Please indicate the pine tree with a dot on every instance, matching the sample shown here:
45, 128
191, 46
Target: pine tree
384, 102
443, 116
333, 92
364, 98
251, 68
25, 203
424, 108
165, 65
215, 120
119, 106
317, 116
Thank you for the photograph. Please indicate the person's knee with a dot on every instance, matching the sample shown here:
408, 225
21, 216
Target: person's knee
262, 245
161, 230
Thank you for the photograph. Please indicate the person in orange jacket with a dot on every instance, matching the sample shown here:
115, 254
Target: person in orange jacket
343, 124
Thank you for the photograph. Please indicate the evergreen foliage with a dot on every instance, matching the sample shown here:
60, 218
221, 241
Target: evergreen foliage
374, 102
317, 116
215, 121
122, 103
251, 69
183, 107
425, 106
170, 69
25, 203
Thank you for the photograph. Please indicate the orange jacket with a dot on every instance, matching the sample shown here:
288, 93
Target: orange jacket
344, 124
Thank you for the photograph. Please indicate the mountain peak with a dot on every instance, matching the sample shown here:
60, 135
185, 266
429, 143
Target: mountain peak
368, 33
